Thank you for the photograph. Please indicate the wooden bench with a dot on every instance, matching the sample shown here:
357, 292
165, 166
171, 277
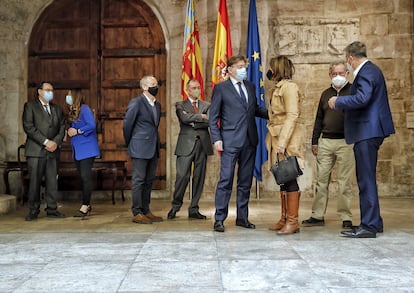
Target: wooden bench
114, 168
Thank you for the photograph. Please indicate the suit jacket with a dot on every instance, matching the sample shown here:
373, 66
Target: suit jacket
367, 110
237, 123
140, 128
85, 145
192, 125
38, 127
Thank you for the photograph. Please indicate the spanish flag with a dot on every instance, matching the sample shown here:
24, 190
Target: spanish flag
222, 47
192, 67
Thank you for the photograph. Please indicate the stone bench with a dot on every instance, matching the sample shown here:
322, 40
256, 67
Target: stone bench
7, 203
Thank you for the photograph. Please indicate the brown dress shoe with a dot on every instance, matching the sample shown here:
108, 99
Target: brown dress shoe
153, 218
141, 219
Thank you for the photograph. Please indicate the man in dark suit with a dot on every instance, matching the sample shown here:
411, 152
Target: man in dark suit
44, 125
140, 130
234, 133
368, 121
193, 146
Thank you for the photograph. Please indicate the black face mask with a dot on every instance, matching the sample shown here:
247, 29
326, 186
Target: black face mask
269, 74
153, 90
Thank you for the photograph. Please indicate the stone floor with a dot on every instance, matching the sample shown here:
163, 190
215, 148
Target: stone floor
108, 253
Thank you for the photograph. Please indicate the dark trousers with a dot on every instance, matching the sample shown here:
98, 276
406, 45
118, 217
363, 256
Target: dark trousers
143, 174
183, 166
245, 158
84, 167
39, 168
366, 157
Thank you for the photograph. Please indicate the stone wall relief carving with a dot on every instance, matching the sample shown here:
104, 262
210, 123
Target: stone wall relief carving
312, 40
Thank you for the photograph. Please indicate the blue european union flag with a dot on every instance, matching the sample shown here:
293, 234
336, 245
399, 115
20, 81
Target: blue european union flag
255, 75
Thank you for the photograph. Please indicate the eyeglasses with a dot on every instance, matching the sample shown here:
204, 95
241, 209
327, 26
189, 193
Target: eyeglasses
47, 90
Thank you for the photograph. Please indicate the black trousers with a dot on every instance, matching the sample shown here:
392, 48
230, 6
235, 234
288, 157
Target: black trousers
84, 167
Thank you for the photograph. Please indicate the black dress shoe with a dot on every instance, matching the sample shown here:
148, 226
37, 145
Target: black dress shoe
219, 226
245, 224
171, 214
197, 215
31, 217
359, 233
55, 214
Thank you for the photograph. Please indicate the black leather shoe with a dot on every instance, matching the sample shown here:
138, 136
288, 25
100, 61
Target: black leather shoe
197, 215
347, 224
359, 233
55, 214
245, 224
31, 217
171, 214
313, 222
219, 226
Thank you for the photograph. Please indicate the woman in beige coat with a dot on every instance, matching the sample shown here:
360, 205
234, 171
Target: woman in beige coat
285, 135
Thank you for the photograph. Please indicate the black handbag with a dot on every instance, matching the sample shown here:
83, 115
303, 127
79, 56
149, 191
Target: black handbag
286, 170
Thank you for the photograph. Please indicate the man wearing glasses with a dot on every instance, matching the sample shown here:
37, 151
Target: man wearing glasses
331, 149
44, 125
233, 131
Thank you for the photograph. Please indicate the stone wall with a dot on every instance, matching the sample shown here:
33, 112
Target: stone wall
311, 32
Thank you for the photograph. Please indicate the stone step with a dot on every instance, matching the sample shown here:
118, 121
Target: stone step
7, 203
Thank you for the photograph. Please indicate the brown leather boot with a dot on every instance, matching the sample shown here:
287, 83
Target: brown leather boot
292, 223
282, 221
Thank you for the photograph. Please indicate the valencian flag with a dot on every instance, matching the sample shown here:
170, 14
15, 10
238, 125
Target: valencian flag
192, 64
222, 47
255, 75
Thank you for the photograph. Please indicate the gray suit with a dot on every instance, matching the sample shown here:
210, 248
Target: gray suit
193, 145
39, 126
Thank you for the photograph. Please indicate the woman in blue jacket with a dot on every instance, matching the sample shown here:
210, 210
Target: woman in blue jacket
84, 142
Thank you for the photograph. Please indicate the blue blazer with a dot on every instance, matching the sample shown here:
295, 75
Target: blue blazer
236, 121
141, 128
367, 111
85, 145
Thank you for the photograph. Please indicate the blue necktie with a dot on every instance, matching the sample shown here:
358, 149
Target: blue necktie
242, 95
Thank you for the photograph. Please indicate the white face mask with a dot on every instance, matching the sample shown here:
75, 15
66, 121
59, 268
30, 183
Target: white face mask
339, 80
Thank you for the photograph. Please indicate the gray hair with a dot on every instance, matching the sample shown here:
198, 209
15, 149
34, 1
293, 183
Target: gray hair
144, 80
356, 49
335, 63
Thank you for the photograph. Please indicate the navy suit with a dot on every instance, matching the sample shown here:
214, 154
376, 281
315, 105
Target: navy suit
140, 131
368, 121
237, 129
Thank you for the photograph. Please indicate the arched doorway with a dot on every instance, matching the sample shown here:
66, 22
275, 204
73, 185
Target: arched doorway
103, 47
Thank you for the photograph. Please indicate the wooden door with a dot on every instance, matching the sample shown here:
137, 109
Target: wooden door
103, 47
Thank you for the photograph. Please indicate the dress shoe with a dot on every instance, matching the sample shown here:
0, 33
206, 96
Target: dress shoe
171, 214
141, 219
197, 215
31, 217
311, 222
245, 224
219, 226
153, 217
359, 233
347, 224
55, 214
